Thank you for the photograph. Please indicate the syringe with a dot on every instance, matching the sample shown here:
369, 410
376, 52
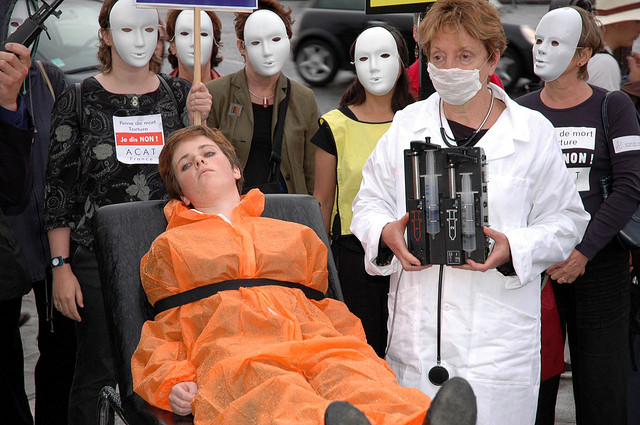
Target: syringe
468, 215
431, 194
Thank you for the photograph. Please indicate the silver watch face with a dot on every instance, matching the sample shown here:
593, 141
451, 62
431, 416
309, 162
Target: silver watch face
55, 262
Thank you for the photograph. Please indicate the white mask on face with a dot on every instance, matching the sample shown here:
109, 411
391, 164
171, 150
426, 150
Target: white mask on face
557, 36
183, 37
266, 42
134, 32
455, 86
18, 16
376, 60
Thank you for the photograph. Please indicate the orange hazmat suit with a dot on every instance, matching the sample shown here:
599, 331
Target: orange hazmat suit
259, 355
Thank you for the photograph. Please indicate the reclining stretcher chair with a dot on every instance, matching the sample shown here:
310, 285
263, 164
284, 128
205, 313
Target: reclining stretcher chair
124, 233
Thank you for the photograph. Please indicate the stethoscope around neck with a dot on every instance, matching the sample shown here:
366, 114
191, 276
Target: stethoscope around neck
467, 140
438, 374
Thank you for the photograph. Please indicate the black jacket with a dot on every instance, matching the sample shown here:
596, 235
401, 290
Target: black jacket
26, 219
15, 148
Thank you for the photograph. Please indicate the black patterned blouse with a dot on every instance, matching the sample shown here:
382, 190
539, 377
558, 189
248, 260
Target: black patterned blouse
83, 172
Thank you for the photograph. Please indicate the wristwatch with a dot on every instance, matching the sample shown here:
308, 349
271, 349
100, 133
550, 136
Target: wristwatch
58, 261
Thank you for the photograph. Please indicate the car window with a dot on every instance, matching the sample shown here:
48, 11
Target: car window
340, 4
74, 37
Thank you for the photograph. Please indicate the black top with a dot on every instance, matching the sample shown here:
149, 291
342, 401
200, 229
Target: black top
324, 136
15, 147
256, 172
589, 157
83, 172
26, 219
461, 132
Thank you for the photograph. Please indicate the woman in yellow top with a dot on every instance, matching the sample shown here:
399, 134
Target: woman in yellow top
346, 137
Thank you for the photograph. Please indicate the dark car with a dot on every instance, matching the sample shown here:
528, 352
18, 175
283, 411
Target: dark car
74, 39
327, 29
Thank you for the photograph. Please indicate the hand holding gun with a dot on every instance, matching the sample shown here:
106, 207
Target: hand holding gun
33, 25
14, 67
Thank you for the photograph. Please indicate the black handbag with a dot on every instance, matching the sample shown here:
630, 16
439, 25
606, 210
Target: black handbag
629, 236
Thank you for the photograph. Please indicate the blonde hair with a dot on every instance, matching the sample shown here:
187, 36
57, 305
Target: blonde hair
477, 17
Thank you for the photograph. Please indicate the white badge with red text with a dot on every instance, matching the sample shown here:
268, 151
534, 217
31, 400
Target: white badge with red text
139, 139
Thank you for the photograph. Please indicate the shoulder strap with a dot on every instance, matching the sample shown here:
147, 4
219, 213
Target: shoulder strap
168, 89
79, 105
605, 116
43, 71
276, 144
206, 291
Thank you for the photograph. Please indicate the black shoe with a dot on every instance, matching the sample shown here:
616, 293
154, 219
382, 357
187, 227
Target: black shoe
454, 404
343, 413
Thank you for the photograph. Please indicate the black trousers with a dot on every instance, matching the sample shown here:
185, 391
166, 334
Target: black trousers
54, 369
633, 396
547, 395
14, 403
94, 359
595, 311
364, 295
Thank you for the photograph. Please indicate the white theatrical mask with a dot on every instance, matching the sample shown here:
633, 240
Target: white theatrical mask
557, 36
134, 32
183, 37
376, 60
18, 16
266, 42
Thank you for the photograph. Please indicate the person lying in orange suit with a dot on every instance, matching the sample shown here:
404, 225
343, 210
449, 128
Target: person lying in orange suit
272, 349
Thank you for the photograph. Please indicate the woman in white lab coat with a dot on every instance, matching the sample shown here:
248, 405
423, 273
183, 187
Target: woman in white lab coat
490, 332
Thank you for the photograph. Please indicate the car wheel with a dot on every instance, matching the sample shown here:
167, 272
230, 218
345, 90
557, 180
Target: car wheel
316, 62
509, 68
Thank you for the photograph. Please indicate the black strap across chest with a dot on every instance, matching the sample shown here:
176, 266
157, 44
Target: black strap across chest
206, 291
276, 144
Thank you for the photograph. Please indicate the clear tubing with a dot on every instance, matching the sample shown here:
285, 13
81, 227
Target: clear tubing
431, 195
416, 176
468, 215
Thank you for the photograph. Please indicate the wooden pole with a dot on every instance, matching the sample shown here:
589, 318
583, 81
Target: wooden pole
197, 69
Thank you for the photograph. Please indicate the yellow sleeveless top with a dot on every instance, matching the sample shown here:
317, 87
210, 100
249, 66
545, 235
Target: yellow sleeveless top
355, 141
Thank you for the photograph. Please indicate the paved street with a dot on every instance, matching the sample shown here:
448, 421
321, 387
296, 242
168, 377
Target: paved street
328, 98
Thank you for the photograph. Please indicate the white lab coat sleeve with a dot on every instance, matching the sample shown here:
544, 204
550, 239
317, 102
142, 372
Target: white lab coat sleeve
557, 219
375, 204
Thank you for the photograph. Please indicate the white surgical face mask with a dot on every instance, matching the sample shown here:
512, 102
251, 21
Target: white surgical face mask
18, 16
455, 86
376, 60
266, 41
134, 32
557, 36
183, 37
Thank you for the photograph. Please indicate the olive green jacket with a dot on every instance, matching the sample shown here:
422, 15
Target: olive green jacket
232, 113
